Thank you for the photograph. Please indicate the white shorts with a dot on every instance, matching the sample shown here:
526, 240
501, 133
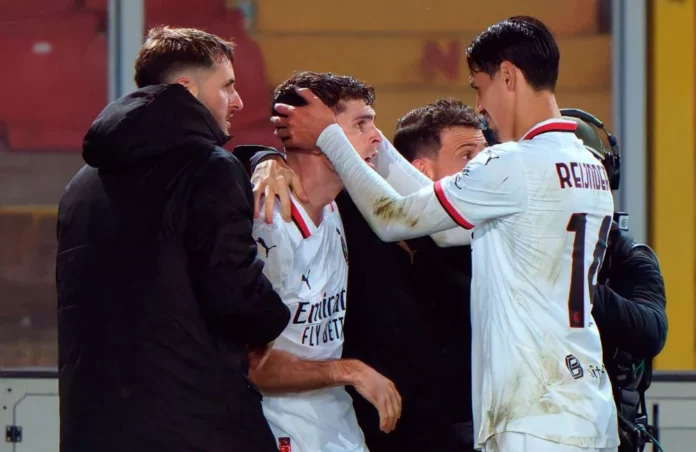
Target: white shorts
521, 442
314, 443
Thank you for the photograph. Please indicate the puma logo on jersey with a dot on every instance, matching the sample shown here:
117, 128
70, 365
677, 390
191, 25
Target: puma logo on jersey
267, 248
305, 279
456, 179
491, 156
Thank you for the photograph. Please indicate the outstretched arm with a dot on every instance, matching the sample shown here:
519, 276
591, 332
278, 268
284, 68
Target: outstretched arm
480, 192
284, 372
392, 216
273, 177
406, 180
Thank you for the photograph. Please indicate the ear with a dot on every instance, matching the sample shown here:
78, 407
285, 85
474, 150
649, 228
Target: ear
423, 167
189, 84
508, 73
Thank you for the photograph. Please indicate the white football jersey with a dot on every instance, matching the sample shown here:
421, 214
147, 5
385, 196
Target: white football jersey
308, 267
542, 208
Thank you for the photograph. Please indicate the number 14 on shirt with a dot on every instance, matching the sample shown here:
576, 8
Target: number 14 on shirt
578, 277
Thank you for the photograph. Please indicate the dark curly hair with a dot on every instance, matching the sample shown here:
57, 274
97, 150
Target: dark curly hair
331, 89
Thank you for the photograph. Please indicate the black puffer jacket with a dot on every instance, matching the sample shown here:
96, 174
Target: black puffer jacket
160, 293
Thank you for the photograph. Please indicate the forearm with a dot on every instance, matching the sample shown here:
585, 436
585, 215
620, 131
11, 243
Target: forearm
284, 372
391, 216
405, 179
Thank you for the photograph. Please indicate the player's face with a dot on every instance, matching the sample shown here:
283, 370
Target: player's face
459, 145
494, 101
215, 89
358, 122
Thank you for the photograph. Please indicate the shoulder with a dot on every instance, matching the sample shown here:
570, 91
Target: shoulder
217, 167
497, 163
279, 229
221, 161
222, 175
508, 148
497, 156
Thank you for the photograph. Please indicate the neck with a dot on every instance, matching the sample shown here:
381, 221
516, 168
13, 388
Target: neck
320, 183
533, 109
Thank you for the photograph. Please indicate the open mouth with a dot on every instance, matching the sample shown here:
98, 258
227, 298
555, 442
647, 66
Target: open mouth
368, 160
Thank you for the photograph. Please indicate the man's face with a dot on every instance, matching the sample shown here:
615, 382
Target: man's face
493, 100
459, 145
357, 120
215, 89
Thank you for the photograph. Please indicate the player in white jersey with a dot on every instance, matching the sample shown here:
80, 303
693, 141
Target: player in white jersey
541, 206
306, 260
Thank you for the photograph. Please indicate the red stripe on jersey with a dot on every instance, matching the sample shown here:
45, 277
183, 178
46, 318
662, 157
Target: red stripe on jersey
556, 126
299, 221
449, 208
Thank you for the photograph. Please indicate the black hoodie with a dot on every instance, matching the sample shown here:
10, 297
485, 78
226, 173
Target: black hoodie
160, 292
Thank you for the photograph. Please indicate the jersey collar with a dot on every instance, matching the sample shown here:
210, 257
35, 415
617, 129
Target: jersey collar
550, 125
302, 220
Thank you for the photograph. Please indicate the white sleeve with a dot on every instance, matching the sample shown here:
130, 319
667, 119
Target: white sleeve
491, 186
398, 171
393, 217
406, 180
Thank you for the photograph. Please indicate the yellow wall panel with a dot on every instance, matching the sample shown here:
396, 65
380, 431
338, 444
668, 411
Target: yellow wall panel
672, 166
418, 60
574, 17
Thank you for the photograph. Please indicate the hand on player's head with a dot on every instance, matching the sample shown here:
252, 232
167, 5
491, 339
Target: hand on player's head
300, 127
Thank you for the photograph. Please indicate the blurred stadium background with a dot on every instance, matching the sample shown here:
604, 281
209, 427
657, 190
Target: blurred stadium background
629, 62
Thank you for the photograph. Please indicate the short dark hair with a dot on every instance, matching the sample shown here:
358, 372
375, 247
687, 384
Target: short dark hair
418, 132
331, 89
168, 50
523, 41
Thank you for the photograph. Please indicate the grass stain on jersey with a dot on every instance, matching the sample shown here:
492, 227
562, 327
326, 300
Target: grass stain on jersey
387, 209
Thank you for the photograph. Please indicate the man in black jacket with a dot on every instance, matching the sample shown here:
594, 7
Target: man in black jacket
409, 315
161, 298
